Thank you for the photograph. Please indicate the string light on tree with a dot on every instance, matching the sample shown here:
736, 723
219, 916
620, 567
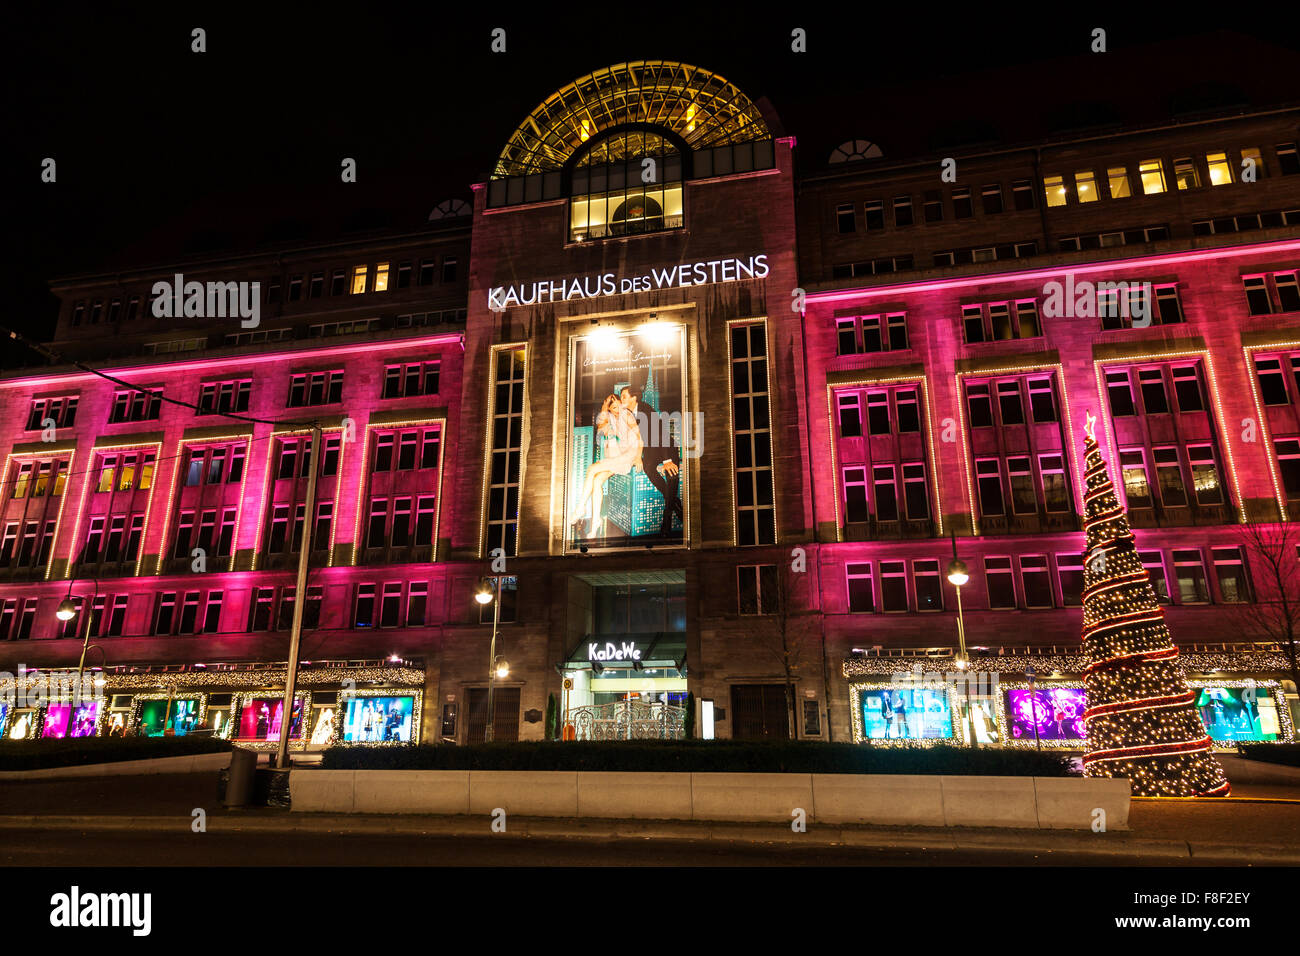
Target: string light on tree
1141, 718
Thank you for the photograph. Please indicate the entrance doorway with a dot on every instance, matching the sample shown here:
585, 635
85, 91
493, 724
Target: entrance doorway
759, 710
505, 704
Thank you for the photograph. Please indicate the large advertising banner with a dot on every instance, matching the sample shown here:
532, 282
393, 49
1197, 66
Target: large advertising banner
905, 713
627, 431
1056, 713
1239, 713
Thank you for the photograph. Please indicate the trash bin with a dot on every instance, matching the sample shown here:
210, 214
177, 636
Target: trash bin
239, 782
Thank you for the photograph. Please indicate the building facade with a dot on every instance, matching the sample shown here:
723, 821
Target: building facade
708, 428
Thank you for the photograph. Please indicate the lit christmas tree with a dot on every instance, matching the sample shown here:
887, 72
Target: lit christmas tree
1141, 718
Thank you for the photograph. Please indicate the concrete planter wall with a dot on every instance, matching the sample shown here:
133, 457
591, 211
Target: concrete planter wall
197, 763
1242, 770
881, 799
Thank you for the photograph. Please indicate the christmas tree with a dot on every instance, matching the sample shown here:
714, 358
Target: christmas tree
1141, 717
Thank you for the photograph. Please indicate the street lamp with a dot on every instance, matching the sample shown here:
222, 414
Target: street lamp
958, 575
65, 612
498, 669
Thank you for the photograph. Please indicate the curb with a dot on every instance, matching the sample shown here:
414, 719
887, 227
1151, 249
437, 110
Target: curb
1120, 844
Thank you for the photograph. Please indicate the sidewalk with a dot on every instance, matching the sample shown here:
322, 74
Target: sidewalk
1259, 826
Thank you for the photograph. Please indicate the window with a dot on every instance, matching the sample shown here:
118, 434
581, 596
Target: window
1189, 572
893, 586
1220, 169
1024, 501
1035, 580
1151, 382
1187, 388
755, 518
1001, 586
979, 405
1056, 493
855, 494
1185, 176
1152, 174
1154, 564
417, 602
1205, 476
1000, 319
259, 609
845, 220
1173, 493
359, 280
1118, 179
1085, 185
989, 481
875, 214
962, 207
1288, 461
1257, 298
1137, 489
972, 317
212, 613
933, 205
63, 412
1120, 391
878, 413
850, 416
1069, 570
929, 588
861, 593
365, 606
1042, 405
1022, 194
417, 378
1169, 309
1010, 410
886, 490
506, 441
915, 494
229, 396
1230, 570
991, 197
847, 335
1288, 292
136, 405
1287, 159
909, 419
315, 388
1054, 190
756, 589
903, 211
1027, 319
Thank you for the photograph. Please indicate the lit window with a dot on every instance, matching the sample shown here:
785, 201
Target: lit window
1137, 490
358, 280
1185, 176
1152, 174
381, 277
1220, 169
1189, 570
1085, 185
1118, 177
1054, 188
1205, 476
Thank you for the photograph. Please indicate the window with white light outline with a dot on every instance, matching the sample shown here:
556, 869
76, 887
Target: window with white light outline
752, 430
504, 449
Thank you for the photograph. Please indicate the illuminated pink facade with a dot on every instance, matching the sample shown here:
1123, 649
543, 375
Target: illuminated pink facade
878, 361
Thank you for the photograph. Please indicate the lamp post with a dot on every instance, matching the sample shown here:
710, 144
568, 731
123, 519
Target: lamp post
497, 668
958, 575
66, 611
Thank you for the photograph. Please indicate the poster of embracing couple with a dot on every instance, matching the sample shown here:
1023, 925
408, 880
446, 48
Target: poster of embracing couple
625, 485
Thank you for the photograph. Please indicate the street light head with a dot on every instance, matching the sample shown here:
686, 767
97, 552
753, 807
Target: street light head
66, 610
957, 572
483, 595
502, 668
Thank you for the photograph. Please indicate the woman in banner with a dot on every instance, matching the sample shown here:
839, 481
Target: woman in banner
617, 426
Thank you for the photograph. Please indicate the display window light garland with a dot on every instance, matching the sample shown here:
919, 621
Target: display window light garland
241, 701
372, 692
133, 723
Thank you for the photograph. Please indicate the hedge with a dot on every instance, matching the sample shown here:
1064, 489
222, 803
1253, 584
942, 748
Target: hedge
703, 756
1288, 754
40, 754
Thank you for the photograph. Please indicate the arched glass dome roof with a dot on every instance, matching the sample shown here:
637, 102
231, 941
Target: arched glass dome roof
701, 107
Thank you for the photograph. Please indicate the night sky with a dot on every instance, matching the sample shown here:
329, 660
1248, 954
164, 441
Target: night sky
165, 154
